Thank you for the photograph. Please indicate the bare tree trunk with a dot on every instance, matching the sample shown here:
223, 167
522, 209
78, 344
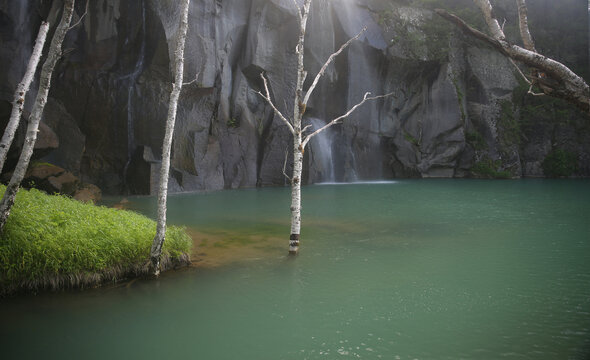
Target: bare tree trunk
523, 22
296, 126
18, 103
554, 78
55, 53
158, 242
296, 195
298, 111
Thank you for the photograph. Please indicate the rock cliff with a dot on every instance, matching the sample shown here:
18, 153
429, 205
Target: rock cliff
458, 108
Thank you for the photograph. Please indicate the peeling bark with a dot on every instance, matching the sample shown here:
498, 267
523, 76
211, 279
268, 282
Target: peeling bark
21, 92
553, 77
156, 250
55, 53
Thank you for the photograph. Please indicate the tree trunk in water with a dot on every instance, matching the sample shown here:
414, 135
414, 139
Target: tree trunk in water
53, 56
296, 195
298, 111
156, 250
21, 92
296, 128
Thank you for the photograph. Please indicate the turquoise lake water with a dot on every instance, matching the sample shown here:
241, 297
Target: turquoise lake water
414, 269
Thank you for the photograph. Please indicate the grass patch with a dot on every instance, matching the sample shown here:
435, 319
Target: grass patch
54, 242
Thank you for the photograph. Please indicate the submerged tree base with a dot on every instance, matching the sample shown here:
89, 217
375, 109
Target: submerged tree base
53, 242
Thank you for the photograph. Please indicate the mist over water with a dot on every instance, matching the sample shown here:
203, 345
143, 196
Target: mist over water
425, 269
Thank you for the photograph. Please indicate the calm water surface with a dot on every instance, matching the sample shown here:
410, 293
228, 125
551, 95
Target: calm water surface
441, 269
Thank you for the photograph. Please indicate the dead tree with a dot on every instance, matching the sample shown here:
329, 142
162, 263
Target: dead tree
54, 54
295, 125
552, 77
20, 94
156, 250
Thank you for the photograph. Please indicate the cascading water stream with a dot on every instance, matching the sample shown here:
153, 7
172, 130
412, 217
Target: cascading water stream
321, 146
131, 80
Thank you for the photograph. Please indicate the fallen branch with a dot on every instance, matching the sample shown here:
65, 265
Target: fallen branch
554, 78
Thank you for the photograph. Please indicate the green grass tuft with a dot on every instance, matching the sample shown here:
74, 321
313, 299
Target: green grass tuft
54, 237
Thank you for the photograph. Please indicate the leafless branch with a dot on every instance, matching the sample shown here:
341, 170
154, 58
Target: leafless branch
81, 17
523, 24
328, 62
193, 80
269, 101
285, 165
298, 10
468, 30
305, 128
532, 92
520, 72
562, 82
342, 117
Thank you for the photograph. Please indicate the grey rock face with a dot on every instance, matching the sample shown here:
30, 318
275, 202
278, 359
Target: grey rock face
453, 104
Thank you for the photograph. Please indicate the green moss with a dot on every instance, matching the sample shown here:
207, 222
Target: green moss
460, 97
385, 17
233, 123
489, 168
420, 39
560, 163
409, 138
476, 140
53, 237
508, 125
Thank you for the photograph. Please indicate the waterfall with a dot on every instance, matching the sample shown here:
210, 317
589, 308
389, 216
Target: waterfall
131, 80
321, 149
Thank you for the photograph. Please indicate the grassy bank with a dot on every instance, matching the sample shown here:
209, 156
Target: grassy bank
53, 242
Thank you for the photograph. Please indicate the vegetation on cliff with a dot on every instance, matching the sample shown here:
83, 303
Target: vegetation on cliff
54, 242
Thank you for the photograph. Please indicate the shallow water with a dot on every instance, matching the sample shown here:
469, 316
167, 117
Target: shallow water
425, 269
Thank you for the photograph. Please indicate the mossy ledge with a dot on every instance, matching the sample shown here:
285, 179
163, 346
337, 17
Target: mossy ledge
53, 242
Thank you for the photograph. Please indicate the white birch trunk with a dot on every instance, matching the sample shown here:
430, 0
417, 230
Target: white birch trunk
55, 53
298, 111
156, 250
523, 22
296, 196
18, 103
296, 127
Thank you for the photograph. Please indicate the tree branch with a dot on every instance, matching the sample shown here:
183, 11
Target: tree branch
81, 17
328, 62
285, 165
493, 25
468, 30
342, 117
556, 79
523, 23
193, 80
269, 101
299, 15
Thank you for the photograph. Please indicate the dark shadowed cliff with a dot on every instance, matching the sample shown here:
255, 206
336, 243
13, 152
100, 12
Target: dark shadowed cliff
458, 110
